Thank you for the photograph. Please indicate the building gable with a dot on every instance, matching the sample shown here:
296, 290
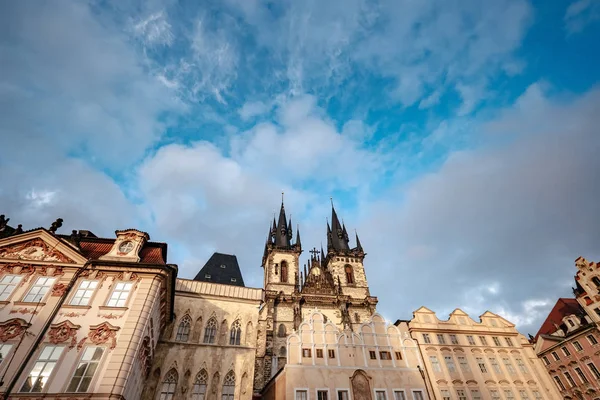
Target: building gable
39, 245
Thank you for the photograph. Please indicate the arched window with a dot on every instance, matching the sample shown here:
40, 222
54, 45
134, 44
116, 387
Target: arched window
281, 331
228, 386
235, 335
199, 389
210, 331
596, 281
183, 331
167, 391
284, 271
282, 351
349, 275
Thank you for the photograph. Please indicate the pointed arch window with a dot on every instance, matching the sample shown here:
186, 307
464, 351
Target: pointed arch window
199, 389
281, 331
349, 274
183, 330
210, 331
167, 391
228, 386
284, 272
235, 336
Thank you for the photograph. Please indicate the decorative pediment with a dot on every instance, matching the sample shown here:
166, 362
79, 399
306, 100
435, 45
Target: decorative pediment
471, 382
40, 245
61, 332
441, 382
101, 334
12, 328
457, 382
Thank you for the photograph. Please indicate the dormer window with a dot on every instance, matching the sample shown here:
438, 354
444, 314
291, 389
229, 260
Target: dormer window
223, 266
207, 276
233, 280
571, 322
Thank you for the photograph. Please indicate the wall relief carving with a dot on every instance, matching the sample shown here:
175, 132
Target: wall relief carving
361, 389
60, 333
100, 334
36, 250
12, 328
19, 269
58, 290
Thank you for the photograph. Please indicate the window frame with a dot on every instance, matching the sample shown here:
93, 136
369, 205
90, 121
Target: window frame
90, 299
592, 342
395, 391
45, 295
380, 390
471, 340
198, 382
496, 341
95, 374
322, 390
235, 333
372, 355
9, 353
343, 390
301, 390
577, 345
594, 370
426, 338
454, 339
319, 353
213, 330
385, 353
14, 289
114, 289
435, 363
440, 338
566, 351
306, 352
184, 328
420, 391
483, 340
33, 363
330, 353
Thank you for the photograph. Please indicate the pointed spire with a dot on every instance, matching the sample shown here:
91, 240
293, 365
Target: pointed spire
289, 229
337, 233
344, 232
322, 253
282, 238
298, 243
358, 245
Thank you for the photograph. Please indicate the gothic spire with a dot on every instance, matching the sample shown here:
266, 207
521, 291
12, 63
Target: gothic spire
358, 245
298, 243
282, 239
337, 237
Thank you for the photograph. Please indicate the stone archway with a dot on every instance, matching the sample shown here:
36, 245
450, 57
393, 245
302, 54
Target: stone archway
361, 388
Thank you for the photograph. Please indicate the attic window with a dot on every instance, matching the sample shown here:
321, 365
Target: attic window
223, 266
233, 280
207, 276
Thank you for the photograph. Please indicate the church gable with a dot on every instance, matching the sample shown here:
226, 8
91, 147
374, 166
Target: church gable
39, 245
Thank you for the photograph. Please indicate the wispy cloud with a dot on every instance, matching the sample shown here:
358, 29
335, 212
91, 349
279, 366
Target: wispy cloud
581, 13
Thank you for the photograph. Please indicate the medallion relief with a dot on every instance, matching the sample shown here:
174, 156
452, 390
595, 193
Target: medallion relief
12, 328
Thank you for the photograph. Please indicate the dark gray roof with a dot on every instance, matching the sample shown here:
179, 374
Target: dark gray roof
221, 268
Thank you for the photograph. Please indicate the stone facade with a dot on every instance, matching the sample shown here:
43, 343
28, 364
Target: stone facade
488, 359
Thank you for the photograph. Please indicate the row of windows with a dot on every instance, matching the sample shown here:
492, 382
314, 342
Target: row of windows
169, 386
454, 339
565, 349
464, 365
342, 394
82, 297
383, 355
495, 394
580, 374
210, 331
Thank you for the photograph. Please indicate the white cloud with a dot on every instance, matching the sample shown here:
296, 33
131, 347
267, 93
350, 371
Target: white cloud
254, 109
580, 14
155, 30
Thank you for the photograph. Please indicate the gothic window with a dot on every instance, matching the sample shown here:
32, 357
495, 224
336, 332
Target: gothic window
228, 386
183, 331
199, 389
349, 275
210, 331
235, 335
281, 332
284, 272
167, 391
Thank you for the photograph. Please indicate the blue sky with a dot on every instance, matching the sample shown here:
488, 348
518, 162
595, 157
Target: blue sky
458, 137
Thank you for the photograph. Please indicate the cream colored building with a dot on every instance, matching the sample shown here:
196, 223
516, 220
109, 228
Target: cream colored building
488, 359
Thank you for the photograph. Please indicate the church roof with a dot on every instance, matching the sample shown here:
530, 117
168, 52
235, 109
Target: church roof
561, 309
221, 268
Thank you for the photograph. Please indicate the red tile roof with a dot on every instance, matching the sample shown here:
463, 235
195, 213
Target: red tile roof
562, 308
151, 253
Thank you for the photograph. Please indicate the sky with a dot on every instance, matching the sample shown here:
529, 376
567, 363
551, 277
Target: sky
458, 137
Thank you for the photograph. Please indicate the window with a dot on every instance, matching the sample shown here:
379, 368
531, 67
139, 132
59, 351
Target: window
206, 276
509, 366
398, 355
118, 298
349, 275
39, 289
570, 379
462, 395
509, 341
42, 369
577, 346
399, 395
306, 353
223, 266
426, 338
566, 351
319, 353
284, 272
380, 395
418, 395
235, 335
571, 323
301, 395
494, 394
228, 386
440, 338
449, 363
453, 339
521, 365
233, 280
581, 375
555, 355
4, 350
84, 293
385, 355
85, 370
475, 395
592, 339
435, 364
537, 395
464, 365
496, 341
481, 364
322, 394
183, 330
199, 389
546, 361
559, 383
596, 280
281, 331
495, 365
445, 394
343, 395
471, 340
331, 353
167, 390
210, 330
597, 310
372, 355
508, 394
594, 370
8, 284
483, 340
